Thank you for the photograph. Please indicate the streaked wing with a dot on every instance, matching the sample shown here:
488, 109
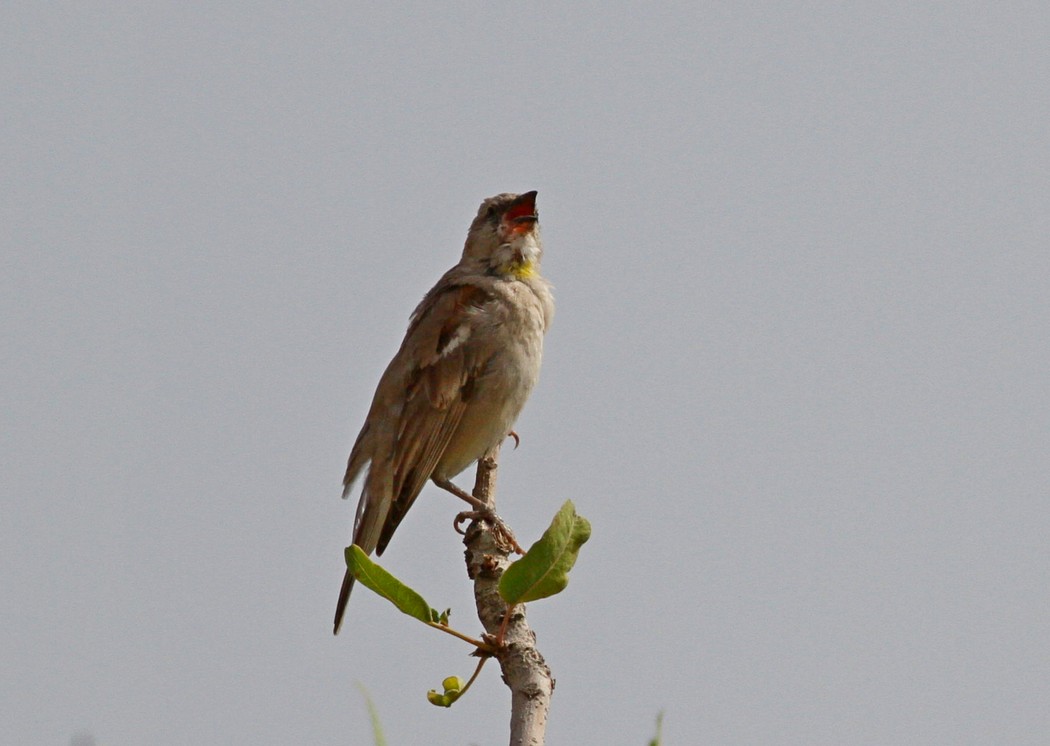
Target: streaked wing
431, 396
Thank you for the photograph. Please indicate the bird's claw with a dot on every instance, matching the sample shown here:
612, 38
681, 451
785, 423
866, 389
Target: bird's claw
517, 440
466, 515
501, 532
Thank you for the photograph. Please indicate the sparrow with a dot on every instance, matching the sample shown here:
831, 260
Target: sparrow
468, 362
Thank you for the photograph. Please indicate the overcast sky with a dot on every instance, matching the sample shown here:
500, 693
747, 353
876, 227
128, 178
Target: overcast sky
797, 381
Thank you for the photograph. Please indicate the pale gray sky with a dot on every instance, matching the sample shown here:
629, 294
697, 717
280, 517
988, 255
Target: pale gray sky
798, 379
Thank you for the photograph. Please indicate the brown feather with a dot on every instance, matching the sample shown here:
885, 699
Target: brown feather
435, 391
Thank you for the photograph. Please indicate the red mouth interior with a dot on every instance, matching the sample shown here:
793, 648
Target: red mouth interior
525, 208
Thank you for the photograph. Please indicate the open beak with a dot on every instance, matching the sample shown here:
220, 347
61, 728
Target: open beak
521, 216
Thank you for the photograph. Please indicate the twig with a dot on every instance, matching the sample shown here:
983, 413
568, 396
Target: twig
524, 670
474, 676
479, 644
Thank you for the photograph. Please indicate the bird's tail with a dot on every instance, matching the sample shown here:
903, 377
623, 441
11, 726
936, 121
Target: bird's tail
372, 511
344, 596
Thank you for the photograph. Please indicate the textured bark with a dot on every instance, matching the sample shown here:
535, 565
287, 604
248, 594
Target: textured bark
524, 670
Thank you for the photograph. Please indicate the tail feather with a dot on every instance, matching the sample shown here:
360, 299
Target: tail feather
344, 596
372, 511
359, 456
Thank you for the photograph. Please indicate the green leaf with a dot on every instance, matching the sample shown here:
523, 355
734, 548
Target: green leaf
544, 570
438, 700
453, 686
371, 575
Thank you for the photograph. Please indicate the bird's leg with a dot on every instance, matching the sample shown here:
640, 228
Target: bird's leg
481, 511
447, 485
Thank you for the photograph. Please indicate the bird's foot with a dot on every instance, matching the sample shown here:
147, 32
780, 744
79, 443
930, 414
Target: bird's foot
501, 532
481, 512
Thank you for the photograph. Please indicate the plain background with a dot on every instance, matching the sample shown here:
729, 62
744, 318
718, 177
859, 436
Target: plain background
798, 378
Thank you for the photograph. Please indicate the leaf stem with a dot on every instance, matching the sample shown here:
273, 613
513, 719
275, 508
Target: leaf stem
503, 626
482, 646
474, 676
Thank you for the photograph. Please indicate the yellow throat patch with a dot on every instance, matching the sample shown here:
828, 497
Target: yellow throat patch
524, 270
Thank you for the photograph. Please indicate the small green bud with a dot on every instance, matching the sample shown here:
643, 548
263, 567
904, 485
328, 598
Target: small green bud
440, 700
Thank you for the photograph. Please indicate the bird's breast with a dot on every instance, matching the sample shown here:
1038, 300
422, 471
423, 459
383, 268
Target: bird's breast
512, 340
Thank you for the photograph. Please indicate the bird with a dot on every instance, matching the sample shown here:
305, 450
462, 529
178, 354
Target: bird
469, 360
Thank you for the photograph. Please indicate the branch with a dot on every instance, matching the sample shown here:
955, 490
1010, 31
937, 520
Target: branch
524, 670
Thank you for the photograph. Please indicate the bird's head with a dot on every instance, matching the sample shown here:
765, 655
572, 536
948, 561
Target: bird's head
504, 238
